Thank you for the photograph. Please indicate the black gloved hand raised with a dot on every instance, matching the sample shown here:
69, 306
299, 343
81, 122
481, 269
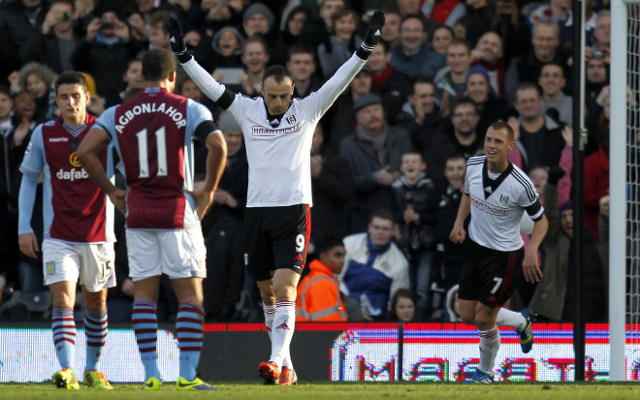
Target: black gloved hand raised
176, 39
372, 37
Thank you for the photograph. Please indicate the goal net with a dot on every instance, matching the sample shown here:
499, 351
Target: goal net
624, 258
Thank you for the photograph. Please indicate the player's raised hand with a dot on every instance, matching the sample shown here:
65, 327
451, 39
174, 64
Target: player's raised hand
176, 39
372, 37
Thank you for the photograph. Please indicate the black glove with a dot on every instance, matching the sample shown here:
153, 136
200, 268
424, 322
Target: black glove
372, 37
555, 174
176, 39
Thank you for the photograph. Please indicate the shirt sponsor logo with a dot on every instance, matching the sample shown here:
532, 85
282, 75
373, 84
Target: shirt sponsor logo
73, 175
488, 208
146, 108
261, 131
73, 159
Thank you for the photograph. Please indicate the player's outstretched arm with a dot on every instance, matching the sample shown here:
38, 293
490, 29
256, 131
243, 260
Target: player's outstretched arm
216, 162
96, 141
530, 267
209, 86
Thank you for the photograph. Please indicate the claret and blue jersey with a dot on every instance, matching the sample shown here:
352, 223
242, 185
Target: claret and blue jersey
75, 209
153, 134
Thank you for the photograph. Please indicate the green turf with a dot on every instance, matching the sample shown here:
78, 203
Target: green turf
346, 391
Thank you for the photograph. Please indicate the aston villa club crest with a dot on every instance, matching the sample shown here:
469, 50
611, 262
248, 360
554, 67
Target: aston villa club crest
504, 198
291, 119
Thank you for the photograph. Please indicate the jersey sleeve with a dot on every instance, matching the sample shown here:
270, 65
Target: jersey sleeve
107, 122
317, 103
196, 114
33, 161
209, 86
528, 198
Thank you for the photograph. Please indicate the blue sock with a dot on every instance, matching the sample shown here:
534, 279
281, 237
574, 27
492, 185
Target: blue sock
64, 335
145, 323
189, 327
95, 327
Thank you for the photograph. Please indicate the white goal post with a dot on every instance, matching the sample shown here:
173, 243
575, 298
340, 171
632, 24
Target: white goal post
623, 286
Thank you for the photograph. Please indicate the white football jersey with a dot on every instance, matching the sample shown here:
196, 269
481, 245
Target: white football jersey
279, 157
497, 205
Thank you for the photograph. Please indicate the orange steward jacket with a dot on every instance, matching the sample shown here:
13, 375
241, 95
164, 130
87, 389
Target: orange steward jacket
319, 297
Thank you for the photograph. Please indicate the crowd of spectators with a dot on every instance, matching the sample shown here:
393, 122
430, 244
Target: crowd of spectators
387, 159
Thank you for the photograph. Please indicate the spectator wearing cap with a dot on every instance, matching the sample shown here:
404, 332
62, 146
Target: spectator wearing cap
553, 298
341, 118
374, 153
413, 56
488, 53
451, 80
490, 107
257, 19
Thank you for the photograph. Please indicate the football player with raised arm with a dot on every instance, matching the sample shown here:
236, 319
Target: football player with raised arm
497, 193
278, 132
78, 224
153, 134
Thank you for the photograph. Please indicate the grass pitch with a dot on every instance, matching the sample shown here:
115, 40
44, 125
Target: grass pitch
339, 391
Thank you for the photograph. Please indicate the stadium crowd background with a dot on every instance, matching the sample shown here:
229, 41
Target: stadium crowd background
445, 71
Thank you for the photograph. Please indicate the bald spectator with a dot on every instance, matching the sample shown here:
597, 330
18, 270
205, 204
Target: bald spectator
527, 68
413, 56
558, 12
488, 53
420, 115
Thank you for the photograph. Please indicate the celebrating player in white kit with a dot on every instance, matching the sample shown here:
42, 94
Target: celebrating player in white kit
78, 224
278, 132
497, 193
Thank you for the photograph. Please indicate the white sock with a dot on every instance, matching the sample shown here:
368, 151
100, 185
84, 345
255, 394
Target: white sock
283, 326
489, 345
269, 316
511, 319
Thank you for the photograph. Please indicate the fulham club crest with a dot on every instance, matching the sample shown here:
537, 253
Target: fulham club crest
291, 119
503, 199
